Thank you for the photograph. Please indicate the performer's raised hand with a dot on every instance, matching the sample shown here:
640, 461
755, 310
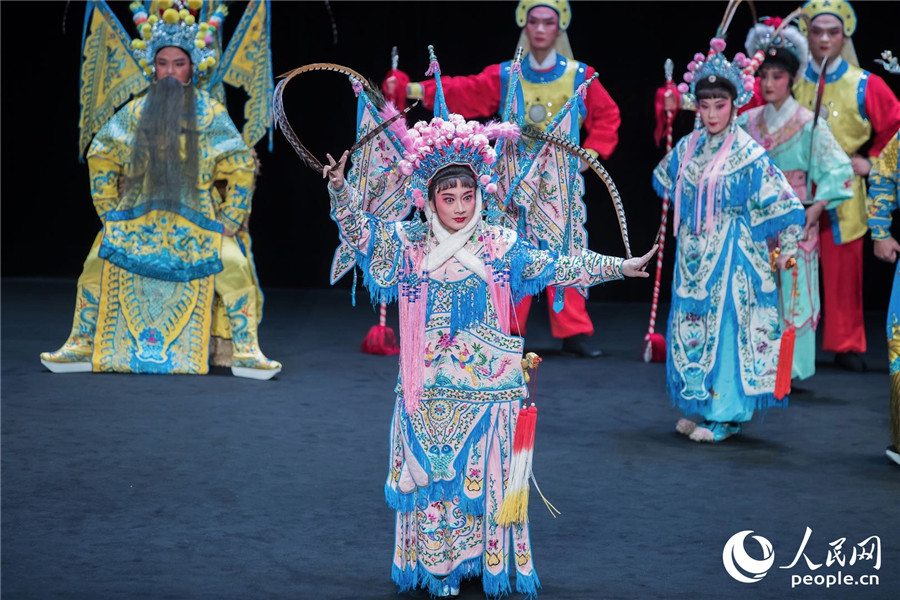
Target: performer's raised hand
861, 165
670, 101
637, 266
396, 87
390, 86
335, 171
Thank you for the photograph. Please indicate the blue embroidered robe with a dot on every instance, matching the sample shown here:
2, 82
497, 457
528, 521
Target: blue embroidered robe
724, 333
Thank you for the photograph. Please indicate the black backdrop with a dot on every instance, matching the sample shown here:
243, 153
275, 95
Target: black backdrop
48, 222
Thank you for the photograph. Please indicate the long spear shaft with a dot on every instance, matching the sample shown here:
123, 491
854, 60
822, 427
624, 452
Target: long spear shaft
661, 236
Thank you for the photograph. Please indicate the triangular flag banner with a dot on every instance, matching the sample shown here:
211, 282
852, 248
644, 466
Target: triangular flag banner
509, 151
109, 73
247, 63
547, 195
374, 170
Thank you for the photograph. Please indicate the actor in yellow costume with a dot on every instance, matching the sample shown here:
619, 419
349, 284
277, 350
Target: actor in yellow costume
858, 106
172, 181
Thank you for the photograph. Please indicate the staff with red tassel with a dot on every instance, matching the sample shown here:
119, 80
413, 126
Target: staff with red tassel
381, 339
655, 343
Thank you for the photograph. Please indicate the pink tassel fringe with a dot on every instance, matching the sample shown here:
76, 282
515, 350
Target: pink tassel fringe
679, 179
711, 176
412, 336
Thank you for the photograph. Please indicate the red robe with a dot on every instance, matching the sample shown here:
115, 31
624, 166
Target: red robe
479, 96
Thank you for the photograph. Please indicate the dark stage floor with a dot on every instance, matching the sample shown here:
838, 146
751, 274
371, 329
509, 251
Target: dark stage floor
157, 487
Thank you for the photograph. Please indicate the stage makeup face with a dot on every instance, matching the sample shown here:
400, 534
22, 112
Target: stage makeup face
716, 113
455, 206
826, 37
775, 85
173, 62
542, 28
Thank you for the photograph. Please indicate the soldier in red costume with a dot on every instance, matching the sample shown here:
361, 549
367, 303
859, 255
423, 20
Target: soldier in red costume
550, 76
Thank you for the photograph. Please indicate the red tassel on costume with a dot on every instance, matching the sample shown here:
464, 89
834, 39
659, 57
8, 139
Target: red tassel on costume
785, 363
514, 508
381, 339
786, 353
519, 435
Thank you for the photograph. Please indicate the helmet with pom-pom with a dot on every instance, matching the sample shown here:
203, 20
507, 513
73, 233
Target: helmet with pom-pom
177, 24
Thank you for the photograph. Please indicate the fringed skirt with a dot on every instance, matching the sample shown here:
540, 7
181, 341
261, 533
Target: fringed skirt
449, 464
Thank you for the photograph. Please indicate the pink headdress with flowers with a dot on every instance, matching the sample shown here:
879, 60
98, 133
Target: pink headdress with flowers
448, 139
431, 146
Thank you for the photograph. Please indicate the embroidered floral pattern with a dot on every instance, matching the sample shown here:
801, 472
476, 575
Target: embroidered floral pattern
723, 277
450, 457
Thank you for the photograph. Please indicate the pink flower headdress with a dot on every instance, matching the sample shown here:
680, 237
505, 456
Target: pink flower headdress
448, 139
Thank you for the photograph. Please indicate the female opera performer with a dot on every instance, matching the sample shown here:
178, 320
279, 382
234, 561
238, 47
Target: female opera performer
813, 162
461, 379
729, 198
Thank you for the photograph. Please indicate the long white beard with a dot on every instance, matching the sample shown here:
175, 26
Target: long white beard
453, 244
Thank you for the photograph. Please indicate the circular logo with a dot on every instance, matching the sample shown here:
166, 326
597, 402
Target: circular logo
737, 562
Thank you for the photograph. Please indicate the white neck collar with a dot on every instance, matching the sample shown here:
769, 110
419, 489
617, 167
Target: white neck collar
833, 65
546, 65
776, 118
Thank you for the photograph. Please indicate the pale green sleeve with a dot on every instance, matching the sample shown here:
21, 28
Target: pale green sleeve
830, 168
